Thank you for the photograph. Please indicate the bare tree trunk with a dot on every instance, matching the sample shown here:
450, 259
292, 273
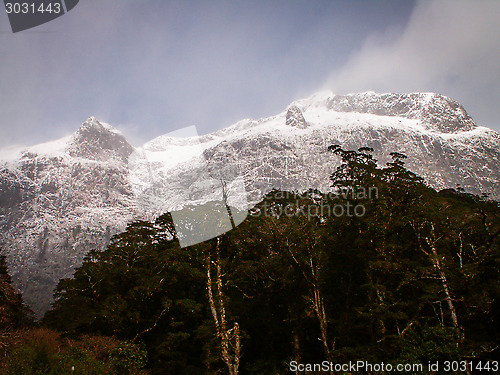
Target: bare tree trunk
230, 342
319, 308
225, 196
442, 276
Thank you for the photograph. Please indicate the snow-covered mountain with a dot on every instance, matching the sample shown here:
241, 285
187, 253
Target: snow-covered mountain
289, 150
60, 199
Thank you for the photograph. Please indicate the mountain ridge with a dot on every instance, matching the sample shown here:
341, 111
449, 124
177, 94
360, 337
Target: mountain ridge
62, 198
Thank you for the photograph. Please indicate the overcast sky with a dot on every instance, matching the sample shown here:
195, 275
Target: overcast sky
149, 67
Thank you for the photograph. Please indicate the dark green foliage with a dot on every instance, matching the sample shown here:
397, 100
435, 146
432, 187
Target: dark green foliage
416, 277
14, 313
144, 287
437, 343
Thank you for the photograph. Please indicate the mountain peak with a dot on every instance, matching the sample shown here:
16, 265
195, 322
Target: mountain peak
436, 112
93, 123
295, 117
96, 140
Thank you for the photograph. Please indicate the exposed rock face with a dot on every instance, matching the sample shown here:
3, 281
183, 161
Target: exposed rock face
294, 117
99, 142
436, 112
289, 151
58, 201
61, 199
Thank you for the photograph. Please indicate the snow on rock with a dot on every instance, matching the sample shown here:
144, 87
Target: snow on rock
436, 112
60, 199
294, 117
289, 150
100, 142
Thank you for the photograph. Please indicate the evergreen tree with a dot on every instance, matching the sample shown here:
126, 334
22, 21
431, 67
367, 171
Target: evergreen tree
413, 276
14, 314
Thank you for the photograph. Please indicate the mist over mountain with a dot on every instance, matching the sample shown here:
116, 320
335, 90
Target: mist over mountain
60, 199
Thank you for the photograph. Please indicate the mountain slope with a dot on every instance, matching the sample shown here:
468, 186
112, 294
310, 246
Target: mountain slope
289, 151
58, 200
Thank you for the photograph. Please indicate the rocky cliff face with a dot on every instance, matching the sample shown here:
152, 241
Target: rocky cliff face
294, 117
61, 199
58, 201
435, 112
289, 150
99, 142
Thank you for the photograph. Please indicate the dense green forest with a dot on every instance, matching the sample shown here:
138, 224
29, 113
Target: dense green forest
384, 270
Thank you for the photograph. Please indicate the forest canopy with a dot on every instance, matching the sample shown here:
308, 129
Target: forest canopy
415, 278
